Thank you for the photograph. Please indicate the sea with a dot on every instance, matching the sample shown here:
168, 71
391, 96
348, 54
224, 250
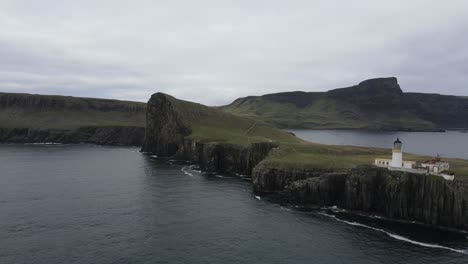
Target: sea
102, 204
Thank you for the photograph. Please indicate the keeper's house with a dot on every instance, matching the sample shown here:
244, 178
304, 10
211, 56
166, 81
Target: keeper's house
435, 166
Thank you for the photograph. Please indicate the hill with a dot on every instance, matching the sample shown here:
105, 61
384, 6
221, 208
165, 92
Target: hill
376, 104
66, 119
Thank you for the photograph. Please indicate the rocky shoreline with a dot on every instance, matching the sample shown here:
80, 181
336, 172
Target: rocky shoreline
112, 135
401, 196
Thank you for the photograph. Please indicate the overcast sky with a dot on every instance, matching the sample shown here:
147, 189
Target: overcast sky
215, 51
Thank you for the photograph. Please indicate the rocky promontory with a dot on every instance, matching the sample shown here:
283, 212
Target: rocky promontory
170, 124
302, 172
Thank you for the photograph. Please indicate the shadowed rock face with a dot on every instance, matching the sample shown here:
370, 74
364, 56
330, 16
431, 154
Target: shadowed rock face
169, 123
125, 136
28, 118
165, 127
395, 195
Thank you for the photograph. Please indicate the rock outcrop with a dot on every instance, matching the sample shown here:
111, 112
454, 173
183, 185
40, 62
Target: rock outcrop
429, 200
166, 127
169, 125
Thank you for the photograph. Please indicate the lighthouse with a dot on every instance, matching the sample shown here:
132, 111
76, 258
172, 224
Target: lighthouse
397, 154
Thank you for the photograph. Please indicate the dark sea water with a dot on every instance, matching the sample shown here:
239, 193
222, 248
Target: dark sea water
453, 144
91, 204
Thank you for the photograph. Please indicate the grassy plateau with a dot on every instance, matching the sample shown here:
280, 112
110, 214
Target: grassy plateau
216, 126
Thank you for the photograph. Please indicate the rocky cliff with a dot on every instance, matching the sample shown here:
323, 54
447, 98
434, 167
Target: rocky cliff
28, 118
126, 136
169, 123
396, 195
172, 124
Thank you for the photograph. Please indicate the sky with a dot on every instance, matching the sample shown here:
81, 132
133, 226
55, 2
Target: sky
213, 52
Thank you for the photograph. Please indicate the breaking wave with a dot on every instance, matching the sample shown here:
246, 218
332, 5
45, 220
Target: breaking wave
186, 171
395, 236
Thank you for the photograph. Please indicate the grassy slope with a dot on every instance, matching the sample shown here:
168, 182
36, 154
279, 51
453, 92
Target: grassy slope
213, 125
324, 113
63, 112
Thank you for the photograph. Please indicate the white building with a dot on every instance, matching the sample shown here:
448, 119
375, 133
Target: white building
435, 165
397, 158
431, 167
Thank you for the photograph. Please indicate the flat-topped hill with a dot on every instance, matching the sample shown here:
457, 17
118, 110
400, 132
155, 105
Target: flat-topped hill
30, 118
64, 112
378, 104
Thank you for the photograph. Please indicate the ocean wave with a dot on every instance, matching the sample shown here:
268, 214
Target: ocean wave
397, 237
186, 172
45, 143
192, 168
223, 177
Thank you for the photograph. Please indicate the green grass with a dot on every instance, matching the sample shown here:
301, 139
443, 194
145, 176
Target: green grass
61, 112
323, 113
215, 126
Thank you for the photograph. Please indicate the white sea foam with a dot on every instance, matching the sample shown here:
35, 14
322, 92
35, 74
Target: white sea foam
258, 197
192, 168
398, 237
44, 143
222, 177
186, 172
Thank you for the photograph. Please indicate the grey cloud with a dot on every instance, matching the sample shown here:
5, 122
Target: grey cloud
215, 51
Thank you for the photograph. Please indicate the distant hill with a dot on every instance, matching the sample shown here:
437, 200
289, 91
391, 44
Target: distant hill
66, 119
376, 104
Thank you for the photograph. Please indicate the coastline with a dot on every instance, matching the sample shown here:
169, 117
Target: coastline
288, 166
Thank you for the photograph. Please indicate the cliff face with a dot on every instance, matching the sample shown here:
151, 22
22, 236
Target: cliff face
397, 195
27, 118
127, 136
165, 126
168, 126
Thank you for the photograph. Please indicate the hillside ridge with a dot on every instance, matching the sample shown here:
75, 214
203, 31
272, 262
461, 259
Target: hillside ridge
375, 104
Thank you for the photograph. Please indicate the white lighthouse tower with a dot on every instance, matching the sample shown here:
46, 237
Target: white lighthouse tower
397, 154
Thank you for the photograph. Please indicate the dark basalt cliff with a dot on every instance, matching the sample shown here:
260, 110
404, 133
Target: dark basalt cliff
429, 200
126, 136
28, 118
167, 128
